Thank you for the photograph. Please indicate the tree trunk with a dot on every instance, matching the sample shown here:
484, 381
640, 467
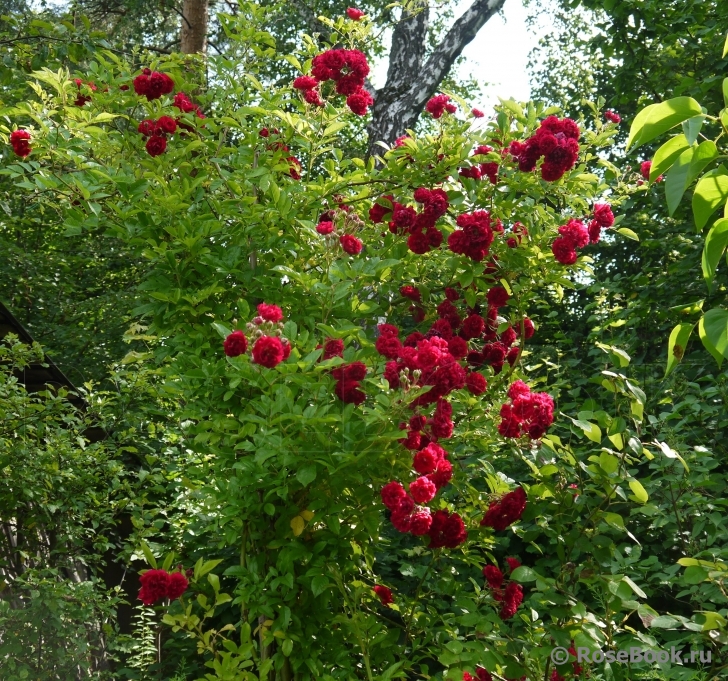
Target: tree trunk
193, 38
411, 80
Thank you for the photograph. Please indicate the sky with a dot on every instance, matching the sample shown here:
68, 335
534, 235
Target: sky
498, 55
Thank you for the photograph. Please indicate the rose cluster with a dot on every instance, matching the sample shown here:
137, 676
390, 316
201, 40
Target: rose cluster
528, 414
510, 597
160, 584
574, 234
20, 141
348, 378
266, 331
474, 237
153, 84
503, 513
438, 105
487, 169
81, 99
557, 140
155, 132
348, 69
613, 117
420, 226
336, 225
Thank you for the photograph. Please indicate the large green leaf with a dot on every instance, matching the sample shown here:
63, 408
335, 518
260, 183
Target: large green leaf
655, 119
704, 154
710, 192
676, 345
715, 245
676, 181
665, 156
713, 331
691, 128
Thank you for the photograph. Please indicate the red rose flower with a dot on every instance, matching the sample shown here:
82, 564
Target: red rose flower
268, 351
156, 145
271, 313
177, 585
235, 344
354, 14
385, 594
155, 584
350, 244
476, 383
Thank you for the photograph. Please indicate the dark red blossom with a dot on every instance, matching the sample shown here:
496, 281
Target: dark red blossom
508, 510
423, 490
354, 14
359, 101
603, 214
512, 598
477, 113
235, 344
325, 227
268, 351
156, 145
474, 237
476, 383
271, 313
564, 251
176, 585
612, 117
153, 84
447, 530
438, 105
411, 292
305, 83
154, 586
493, 576
333, 347
20, 141
385, 594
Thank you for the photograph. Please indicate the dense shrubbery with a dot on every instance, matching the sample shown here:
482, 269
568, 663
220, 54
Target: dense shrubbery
357, 479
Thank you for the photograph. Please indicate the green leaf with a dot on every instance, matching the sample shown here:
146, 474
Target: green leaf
715, 324
676, 345
306, 474
149, 555
287, 647
691, 128
725, 49
387, 675
676, 181
608, 462
591, 430
639, 491
717, 356
201, 569
214, 581
725, 85
664, 622
710, 192
655, 119
614, 519
523, 574
715, 245
634, 587
625, 231
665, 156
704, 154
695, 574
221, 329
319, 584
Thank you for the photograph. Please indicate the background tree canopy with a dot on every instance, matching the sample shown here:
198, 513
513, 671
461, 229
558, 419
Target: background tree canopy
249, 466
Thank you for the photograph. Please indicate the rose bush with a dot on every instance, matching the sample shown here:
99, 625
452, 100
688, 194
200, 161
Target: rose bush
348, 341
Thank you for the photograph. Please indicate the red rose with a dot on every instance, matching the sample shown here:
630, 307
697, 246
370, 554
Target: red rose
271, 313
350, 244
355, 15
177, 585
268, 351
385, 594
235, 344
155, 584
156, 145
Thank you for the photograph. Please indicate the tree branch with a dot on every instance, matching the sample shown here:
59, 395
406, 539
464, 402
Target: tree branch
458, 37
